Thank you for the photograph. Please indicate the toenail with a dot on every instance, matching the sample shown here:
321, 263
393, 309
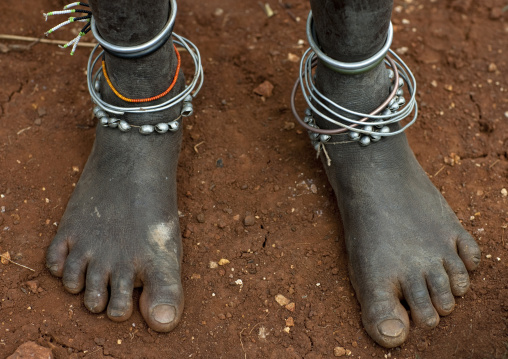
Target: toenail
116, 313
164, 313
71, 285
391, 328
448, 307
430, 322
462, 284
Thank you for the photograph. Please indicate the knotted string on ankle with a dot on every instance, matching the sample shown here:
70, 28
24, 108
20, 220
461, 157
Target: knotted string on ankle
67, 10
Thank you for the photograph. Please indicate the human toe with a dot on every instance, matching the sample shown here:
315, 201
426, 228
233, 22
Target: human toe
56, 255
440, 291
96, 290
468, 251
459, 278
385, 319
74, 270
120, 304
417, 296
161, 302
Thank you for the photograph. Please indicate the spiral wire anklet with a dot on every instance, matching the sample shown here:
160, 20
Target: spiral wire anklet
361, 127
105, 111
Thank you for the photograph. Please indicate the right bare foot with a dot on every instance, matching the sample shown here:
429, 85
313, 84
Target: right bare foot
121, 226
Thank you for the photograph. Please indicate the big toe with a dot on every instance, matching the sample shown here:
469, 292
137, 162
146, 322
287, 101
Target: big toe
385, 319
161, 302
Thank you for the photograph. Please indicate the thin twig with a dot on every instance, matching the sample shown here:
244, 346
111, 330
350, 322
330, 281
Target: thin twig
21, 265
23, 130
438, 171
42, 40
255, 327
196, 146
54, 42
241, 343
492, 165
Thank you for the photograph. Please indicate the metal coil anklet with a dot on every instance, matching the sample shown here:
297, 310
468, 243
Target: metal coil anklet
360, 127
108, 114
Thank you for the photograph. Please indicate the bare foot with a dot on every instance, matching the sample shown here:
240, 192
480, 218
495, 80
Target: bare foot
121, 226
402, 238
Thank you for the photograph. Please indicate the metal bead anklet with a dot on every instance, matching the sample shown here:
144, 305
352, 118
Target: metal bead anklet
112, 122
318, 139
361, 127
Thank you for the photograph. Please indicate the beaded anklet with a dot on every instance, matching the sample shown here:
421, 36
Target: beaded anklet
104, 111
148, 99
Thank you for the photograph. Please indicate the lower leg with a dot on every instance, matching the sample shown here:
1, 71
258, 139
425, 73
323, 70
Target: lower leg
403, 240
121, 226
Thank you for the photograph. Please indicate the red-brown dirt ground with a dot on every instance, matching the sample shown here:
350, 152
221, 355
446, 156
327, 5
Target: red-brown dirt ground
243, 155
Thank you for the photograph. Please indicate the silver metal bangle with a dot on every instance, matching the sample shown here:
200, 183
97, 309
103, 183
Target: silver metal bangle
350, 68
142, 49
373, 126
191, 89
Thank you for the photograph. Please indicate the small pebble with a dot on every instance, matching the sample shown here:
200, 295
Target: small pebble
290, 322
492, 67
32, 350
265, 89
313, 188
249, 220
293, 57
200, 217
496, 13
213, 265
223, 262
221, 316
99, 341
41, 111
504, 192
279, 298
291, 307
37, 122
339, 351
33, 285
5, 258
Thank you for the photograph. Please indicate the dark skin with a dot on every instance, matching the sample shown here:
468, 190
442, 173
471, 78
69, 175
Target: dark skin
402, 238
121, 224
